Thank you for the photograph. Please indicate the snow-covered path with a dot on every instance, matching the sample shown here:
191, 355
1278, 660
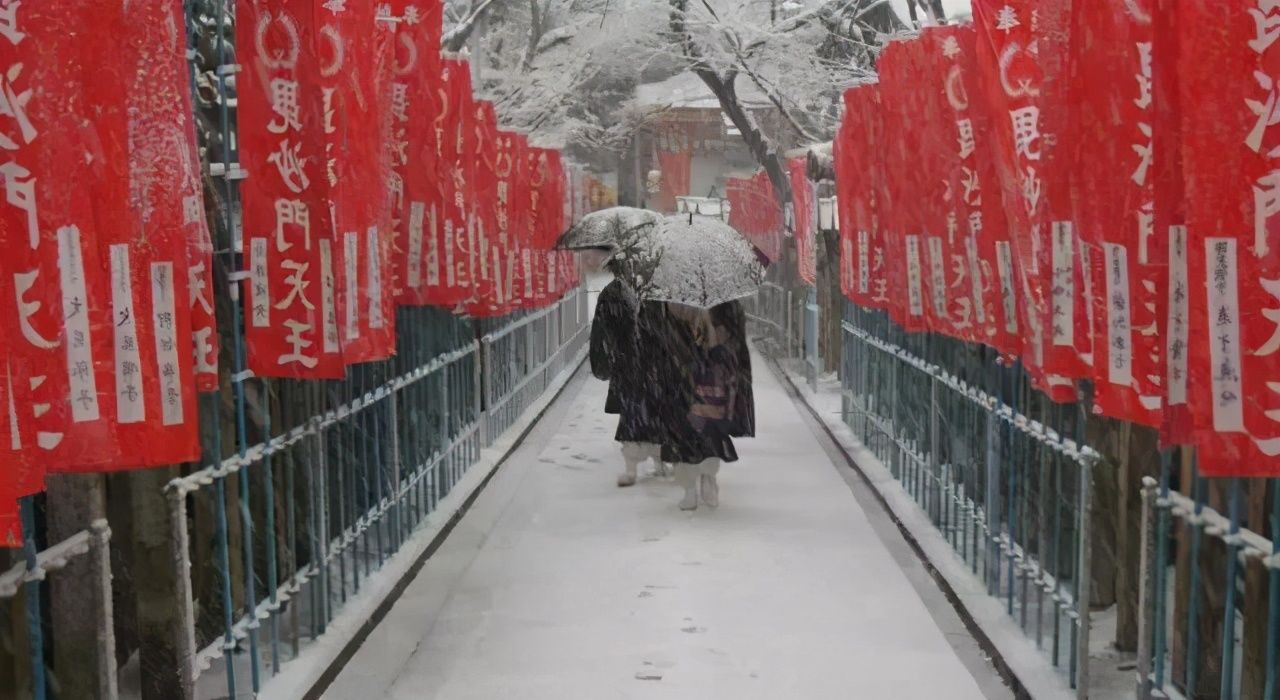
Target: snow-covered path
559, 585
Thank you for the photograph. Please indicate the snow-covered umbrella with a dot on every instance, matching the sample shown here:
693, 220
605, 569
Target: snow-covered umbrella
695, 261
614, 228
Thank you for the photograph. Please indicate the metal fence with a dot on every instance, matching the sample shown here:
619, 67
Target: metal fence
999, 471
1213, 598
26, 578
272, 541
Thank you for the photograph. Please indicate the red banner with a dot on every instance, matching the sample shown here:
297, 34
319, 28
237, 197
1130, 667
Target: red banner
1229, 142
1012, 81
66, 177
1170, 221
1115, 207
455, 160
144, 255
415, 189
804, 219
754, 211
292, 319
903, 218
355, 70
675, 168
490, 211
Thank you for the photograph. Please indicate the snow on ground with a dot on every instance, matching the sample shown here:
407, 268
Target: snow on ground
559, 585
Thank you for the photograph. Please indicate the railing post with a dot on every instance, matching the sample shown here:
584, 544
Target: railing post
482, 399
100, 554
184, 635
1083, 595
1146, 587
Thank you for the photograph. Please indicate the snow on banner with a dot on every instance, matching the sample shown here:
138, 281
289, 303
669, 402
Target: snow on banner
1114, 207
291, 320
355, 59
416, 201
1231, 145
146, 252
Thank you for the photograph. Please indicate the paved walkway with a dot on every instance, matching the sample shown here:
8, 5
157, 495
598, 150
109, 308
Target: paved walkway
559, 585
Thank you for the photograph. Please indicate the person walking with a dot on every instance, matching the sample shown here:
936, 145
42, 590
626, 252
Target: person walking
708, 399
619, 332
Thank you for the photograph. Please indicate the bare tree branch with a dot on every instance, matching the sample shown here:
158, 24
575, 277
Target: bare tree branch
459, 35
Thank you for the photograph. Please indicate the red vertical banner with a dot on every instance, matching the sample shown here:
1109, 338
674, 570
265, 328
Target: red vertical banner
355, 68
804, 219
935, 154
1231, 152
903, 218
1172, 282
489, 210
1011, 83
456, 162
144, 254
976, 192
851, 195
291, 315
415, 191
1114, 209
862, 184
65, 175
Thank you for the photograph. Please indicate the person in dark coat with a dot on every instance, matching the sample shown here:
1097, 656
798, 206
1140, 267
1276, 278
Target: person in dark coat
618, 333
707, 397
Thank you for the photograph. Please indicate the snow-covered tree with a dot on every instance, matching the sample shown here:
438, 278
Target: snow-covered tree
565, 69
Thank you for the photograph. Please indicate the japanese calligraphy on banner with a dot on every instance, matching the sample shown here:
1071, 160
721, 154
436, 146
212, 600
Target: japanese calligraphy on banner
1232, 252
860, 179
1012, 90
1115, 207
291, 313
1169, 224
903, 219
58, 374
976, 221
455, 154
356, 89
415, 191
804, 206
488, 212
147, 266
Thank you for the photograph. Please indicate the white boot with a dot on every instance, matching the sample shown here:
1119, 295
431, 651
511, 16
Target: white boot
709, 486
687, 476
631, 458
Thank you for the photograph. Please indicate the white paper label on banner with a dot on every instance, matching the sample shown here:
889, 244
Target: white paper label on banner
75, 310
938, 275
130, 399
864, 262
1224, 335
328, 298
166, 329
1119, 326
374, 257
451, 273
350, 261
914, 293
260, 313
1063, 294
433, 250
975, 279
417, 216
1008, 298
1178, 336
526, 260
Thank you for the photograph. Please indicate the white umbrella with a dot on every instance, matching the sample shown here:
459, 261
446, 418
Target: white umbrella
613, 228
695, 261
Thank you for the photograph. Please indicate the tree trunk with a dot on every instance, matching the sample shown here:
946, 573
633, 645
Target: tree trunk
155, 585
1143, 460
1255, 601
120, 515
1103, 433
74, 501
